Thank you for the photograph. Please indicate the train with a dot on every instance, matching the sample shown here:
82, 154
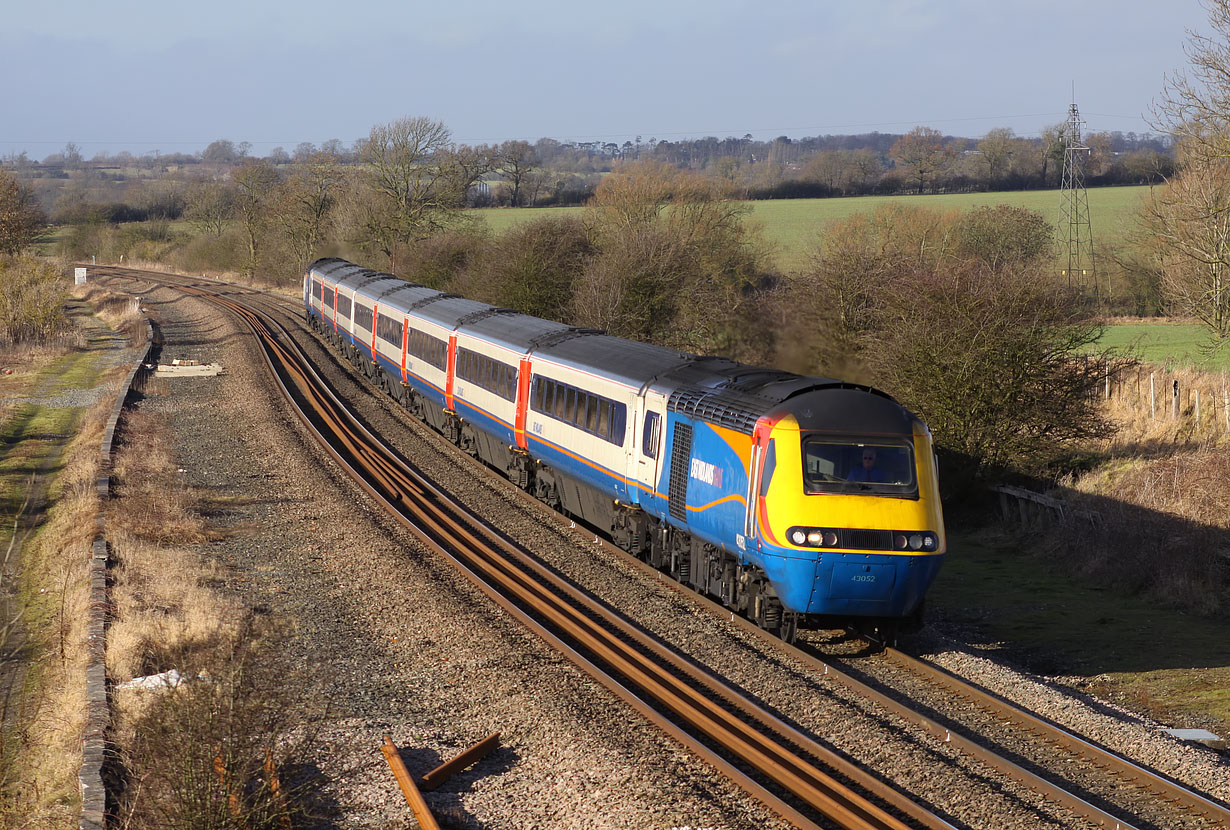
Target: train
798, 502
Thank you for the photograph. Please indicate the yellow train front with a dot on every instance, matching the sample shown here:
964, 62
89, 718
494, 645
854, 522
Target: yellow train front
821, 509
847, 505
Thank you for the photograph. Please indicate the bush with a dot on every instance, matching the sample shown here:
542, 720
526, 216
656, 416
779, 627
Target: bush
961, 319
21, 217
220, 750
210, 253
439, 260
531, 267
32, 295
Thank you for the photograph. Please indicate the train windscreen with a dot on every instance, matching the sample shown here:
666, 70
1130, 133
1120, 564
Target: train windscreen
849, 465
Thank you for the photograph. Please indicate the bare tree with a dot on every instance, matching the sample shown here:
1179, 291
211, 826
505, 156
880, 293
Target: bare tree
516, 161
303, 205
924, 153
997, 147
210, 205
1054, 146
1195, 106
255, 181
461, 167
21, 218
1190, 215
413, 191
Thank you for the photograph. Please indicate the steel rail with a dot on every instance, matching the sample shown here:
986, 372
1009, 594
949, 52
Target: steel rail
1138, 775
394, 477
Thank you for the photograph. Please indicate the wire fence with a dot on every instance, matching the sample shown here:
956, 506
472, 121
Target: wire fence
1193, 402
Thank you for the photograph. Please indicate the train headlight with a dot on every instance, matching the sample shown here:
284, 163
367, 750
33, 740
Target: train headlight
916, 541
929, 541
813, 537
899, 541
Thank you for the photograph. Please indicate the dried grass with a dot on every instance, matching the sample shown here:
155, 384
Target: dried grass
152, 502
161, 592
1161, 494
243, 703
1158, 420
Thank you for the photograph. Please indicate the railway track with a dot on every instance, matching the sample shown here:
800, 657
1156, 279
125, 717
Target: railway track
794, 775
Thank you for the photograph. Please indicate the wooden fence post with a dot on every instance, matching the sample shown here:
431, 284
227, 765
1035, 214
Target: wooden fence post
1152, 398
1174, 399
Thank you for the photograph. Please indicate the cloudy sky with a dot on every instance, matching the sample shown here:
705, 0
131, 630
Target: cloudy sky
140, 76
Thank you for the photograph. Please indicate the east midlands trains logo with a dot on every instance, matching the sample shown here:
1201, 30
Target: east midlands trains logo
710, 474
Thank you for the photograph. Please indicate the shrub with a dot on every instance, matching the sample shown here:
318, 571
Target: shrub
219, 750
32, 295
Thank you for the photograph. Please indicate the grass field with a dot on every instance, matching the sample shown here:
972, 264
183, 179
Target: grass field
792, 225
1169, 345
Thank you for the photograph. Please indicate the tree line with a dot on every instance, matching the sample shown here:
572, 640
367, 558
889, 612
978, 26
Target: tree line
549, 172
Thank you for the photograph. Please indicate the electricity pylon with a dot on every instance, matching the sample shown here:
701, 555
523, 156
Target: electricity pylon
1074, 231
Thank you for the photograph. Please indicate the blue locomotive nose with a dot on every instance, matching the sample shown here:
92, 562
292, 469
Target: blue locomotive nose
855, 584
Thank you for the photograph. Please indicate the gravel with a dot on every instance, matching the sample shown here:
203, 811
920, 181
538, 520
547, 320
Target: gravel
407, 647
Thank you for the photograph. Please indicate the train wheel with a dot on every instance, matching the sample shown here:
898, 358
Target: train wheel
789, 629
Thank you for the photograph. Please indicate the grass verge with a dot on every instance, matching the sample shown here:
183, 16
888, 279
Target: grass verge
1014, 601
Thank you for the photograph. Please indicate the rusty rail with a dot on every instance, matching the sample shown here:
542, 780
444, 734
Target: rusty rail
449, 768
418, 805
1127, 771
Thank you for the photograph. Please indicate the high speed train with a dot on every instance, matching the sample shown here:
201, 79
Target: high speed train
796, 501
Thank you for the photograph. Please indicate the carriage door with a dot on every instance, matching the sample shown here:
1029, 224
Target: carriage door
645, 461
756, 474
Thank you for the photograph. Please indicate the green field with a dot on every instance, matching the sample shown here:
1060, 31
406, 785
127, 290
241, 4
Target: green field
1170, 345
792, 225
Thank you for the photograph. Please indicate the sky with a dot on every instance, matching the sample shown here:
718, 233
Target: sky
142, 76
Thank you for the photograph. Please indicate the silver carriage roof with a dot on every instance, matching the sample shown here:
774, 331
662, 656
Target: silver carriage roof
715, 389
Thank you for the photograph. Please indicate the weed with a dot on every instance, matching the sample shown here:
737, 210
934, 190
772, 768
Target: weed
219, 749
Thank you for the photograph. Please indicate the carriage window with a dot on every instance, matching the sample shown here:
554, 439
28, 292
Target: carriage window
388, 330
576, 407
431, 349
649, 435
487, 373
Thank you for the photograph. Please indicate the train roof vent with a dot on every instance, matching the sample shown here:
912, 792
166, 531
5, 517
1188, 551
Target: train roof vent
482, 314
723, 407
554, 338
430, 300
404, 284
